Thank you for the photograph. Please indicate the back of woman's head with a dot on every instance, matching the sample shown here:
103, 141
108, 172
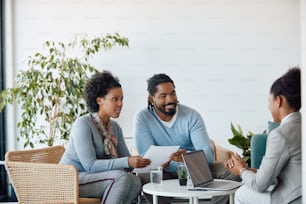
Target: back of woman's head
289, 86
98, 86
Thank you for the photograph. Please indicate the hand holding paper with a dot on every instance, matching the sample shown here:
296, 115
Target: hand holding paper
138, 162
158, 156
177, 156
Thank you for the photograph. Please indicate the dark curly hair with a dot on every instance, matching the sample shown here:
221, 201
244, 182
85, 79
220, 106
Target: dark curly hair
98, 86
289, 86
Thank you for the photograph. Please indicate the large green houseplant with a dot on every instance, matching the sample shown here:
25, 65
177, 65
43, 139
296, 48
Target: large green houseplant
49, 90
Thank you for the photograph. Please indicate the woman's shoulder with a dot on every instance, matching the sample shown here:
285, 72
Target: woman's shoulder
84, 119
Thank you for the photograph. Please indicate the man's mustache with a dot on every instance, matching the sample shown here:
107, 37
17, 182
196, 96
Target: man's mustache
173, 103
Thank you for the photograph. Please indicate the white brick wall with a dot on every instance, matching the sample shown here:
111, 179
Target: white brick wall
223, 55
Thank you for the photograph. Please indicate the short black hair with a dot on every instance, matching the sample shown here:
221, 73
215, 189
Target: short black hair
157, 79
98, 86
289, 86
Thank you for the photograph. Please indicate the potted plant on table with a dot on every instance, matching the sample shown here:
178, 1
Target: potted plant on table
182, 174
50, 88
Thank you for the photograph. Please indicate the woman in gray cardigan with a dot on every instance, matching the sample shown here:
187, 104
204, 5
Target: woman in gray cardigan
278, 179
97, 147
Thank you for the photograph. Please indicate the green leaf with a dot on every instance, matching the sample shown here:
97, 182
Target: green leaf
241, 141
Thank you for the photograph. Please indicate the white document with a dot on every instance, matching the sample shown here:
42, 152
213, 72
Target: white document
158, 156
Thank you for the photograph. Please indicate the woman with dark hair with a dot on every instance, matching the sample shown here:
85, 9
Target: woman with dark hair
278, 179
97, 147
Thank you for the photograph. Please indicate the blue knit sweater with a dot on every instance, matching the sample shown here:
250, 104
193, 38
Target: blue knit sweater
188, 131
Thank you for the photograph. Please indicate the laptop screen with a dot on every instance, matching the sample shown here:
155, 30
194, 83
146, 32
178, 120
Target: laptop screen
198, 167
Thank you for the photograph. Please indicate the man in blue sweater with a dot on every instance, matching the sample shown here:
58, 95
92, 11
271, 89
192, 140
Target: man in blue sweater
165, 122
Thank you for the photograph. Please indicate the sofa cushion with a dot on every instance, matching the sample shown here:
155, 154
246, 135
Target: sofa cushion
258, 145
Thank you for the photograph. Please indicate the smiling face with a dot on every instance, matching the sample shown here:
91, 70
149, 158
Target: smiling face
111, 104
164, 100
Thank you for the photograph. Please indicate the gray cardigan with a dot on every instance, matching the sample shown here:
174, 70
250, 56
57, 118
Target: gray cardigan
86, 152
281, 163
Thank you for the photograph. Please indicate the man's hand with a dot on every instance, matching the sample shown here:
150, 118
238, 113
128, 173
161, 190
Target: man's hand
166, 165
177, 156
138, 162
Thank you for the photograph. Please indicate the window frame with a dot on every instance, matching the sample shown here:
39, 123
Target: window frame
3, 175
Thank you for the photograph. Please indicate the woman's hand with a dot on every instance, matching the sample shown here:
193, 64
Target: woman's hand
138, 162
177, 156
235, 164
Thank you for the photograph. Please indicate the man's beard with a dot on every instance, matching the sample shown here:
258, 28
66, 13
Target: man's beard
170, 112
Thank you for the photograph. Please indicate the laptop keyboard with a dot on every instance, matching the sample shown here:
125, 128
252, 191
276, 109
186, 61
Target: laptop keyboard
216, 184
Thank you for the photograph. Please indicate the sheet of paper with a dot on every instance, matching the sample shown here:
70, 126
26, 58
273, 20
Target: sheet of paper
158, 156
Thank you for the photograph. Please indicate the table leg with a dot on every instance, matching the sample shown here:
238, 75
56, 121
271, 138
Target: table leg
155, 200
231, 198
195, 200
191, 200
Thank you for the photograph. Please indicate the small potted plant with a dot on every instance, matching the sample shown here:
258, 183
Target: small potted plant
182, 174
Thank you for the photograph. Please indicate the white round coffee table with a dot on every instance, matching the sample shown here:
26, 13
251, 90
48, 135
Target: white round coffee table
171, 188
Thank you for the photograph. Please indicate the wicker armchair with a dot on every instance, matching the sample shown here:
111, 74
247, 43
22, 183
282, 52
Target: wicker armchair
38, 178
221, 154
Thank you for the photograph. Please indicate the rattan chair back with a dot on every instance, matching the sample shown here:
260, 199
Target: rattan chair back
38, 178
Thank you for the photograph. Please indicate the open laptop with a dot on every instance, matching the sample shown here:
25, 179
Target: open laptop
201, 176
